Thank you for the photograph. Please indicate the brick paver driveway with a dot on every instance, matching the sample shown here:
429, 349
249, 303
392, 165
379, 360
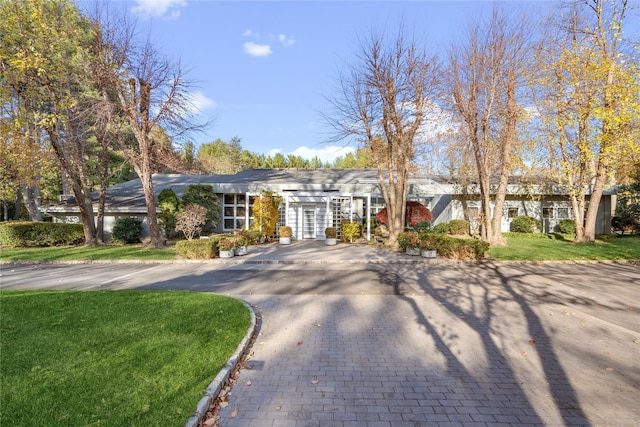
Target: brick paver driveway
460, 344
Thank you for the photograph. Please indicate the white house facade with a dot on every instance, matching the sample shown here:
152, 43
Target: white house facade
314, 199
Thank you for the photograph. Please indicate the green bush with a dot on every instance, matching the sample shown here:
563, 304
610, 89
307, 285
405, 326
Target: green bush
203, 195
197, 249
458, 226
127, 230
525, 224
423, 227
567, 226
453, 247
408, 239
35, 234
442, 228
169, 205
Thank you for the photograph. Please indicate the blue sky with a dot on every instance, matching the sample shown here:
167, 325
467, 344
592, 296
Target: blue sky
264, 68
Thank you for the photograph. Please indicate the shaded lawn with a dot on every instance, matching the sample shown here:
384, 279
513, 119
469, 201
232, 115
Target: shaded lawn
87, 253
537, 249
126, 358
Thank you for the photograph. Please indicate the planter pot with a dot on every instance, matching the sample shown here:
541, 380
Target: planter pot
330, 241
413, 251
285, 240
242, 250
226, 254
429, 254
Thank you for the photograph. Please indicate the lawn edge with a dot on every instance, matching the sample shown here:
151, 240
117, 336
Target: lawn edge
212, 391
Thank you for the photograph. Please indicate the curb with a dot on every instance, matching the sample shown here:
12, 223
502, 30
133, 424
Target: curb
212, 391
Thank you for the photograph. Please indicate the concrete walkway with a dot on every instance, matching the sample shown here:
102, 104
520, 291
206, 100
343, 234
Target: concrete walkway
456, 345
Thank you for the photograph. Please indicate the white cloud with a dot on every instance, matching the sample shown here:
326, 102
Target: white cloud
327, 154
254, 49
167, 9
200, 102
247, 33
286, 41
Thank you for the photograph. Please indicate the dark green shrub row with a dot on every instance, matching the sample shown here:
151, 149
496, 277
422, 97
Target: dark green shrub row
525, 224
34, 234
197, 249
127, 230
455, 248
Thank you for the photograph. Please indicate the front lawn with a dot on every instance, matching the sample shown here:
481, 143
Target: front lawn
547, 249
88, 253
126, 358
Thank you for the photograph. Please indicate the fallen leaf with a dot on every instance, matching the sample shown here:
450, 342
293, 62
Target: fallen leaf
248, 382
314, 382
316, 324
209, 422
299, 342
532, 341
234, 413
609, 368
224, 404
278, 408
524, 353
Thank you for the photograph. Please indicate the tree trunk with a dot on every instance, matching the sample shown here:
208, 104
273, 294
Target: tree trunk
18, 206
31, 196
152, 217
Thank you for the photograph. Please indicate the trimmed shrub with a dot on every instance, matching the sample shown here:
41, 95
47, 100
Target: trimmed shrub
408, 239
567, 226
127, 230
331, 232
442, 228
455, 248
458, 226
197, 249
285, 231
350, 231
525, 224
423, 227
35, 234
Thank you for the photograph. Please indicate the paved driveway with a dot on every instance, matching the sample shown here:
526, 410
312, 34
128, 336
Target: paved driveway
418, 344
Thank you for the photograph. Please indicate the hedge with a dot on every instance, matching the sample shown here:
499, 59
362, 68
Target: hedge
38, 234
525, 224
456, 248
197, 249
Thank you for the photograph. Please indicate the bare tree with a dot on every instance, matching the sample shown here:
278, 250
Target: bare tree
382, 102
150, 93
487, 80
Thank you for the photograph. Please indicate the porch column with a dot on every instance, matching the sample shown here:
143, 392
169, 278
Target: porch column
368, 216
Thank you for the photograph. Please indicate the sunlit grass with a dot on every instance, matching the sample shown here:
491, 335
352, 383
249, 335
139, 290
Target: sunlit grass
87, 253
126, 358
536, 249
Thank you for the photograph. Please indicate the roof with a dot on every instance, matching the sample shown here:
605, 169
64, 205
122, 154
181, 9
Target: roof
129, 196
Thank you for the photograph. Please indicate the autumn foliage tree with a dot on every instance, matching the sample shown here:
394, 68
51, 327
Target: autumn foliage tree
589, 103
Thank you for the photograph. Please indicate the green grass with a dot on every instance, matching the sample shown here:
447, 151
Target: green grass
87, 253
537, 249
126, 358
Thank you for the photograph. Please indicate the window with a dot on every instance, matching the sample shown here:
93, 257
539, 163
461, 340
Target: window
512, 212
563, 213
547, 212
233, 211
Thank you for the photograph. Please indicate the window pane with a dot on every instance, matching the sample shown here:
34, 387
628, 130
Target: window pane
228, 211
512, 212
241, 199
228, 199
229, 224
547, 212
563, 213
240, 211
240, 223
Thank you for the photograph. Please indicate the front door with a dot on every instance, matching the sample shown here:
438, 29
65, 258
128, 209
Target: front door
309, 223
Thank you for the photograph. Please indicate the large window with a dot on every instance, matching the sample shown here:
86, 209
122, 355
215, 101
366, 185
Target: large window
234, 211
512, 212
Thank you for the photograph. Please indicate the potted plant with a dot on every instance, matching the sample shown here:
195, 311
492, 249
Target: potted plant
330, 234
285, 232
428, 247
243, 240
410, 242
226, 247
